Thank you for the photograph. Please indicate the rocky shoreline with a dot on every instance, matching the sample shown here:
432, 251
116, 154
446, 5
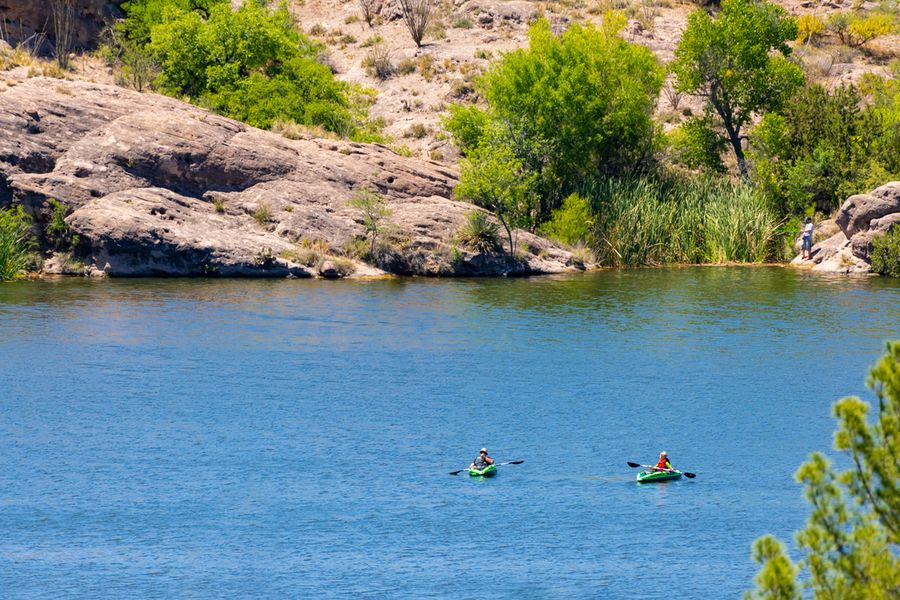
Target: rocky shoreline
151, 186
848, 244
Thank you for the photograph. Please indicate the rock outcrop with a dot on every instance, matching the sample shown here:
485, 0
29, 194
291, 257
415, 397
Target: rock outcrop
31, 21
861, 218
153, 186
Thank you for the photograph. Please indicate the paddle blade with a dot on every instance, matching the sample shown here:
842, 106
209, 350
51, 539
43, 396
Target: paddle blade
689, 475
631, 464
515, 462
457, 472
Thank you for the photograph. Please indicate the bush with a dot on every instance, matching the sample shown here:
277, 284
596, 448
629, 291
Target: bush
377, 63
533, 94
886, 253
417, 16
824, 147
250, 64
856, 30
479, 234
808, 28
695, 145
572, 223
15, 243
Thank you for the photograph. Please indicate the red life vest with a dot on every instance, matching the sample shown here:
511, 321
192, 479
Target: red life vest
664, 463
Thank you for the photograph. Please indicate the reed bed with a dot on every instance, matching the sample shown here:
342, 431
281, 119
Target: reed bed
657, 221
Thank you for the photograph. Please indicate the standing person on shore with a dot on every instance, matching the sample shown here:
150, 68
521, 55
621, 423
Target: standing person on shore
806, 239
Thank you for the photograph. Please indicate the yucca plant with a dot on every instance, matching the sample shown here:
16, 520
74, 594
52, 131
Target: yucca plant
479, 234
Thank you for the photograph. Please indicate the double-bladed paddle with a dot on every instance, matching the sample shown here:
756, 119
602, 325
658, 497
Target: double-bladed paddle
685, 473
512, 462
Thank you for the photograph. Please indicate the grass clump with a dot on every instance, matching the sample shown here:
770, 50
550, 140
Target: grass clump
479, 234
263, 213
377, 63
16, 244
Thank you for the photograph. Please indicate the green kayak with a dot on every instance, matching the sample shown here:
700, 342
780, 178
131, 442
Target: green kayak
488, 471
655, 476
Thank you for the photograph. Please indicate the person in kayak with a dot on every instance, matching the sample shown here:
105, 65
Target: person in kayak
663, 464
482, 460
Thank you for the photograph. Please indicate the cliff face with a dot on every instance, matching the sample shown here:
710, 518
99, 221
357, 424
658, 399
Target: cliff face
154, 186
27, 20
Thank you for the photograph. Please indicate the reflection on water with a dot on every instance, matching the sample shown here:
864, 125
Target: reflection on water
274, 438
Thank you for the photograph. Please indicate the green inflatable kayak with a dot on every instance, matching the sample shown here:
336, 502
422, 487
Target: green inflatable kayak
488, 471
655, 476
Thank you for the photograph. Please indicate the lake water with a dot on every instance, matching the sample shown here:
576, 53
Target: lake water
261, 439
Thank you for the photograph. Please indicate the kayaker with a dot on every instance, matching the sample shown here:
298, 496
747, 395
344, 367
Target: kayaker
663, 464
482, 460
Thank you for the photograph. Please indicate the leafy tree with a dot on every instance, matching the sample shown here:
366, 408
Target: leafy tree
250, 64
695, 145
493, 178
572, 223
374, 210
850, 540
729, 60
824, 147
567, 107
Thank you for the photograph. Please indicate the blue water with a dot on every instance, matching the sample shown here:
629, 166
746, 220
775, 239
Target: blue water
261, 439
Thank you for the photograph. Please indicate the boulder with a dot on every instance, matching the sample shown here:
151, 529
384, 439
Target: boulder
858, 211
155, 186
31, 22
862, 241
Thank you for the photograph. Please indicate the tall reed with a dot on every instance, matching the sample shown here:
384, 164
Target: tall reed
655, 221
15, 243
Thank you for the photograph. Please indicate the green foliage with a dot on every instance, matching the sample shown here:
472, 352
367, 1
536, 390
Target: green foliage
886, 253
374, 210
57, 231
654, 221
695, 145
824, 147
857, 30
572, 223
851, 537
15, 243
567, 106
493, 178
250, 64
479, 233
736, 61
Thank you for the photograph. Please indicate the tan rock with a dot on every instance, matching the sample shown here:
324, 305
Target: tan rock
156, 186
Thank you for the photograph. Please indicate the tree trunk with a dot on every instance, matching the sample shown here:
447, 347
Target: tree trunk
733, 131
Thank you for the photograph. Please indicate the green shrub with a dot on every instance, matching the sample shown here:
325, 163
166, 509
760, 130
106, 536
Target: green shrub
824, 147
695, 145
567, 106
572, 223
886, 253
250, 64
16, 244
479, 233
857, 30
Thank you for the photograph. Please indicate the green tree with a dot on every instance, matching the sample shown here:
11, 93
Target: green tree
493, 178
729, 60
374, 211
568, 107
850, 540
